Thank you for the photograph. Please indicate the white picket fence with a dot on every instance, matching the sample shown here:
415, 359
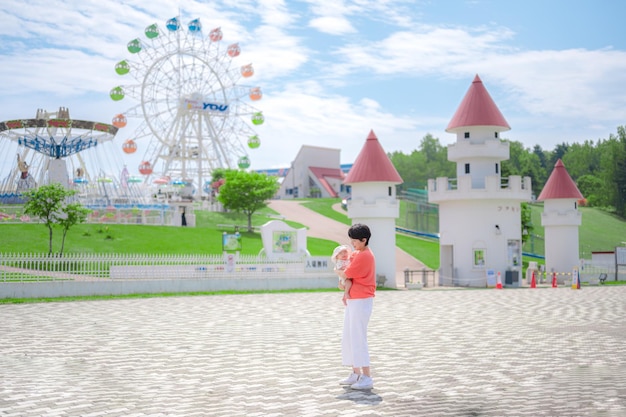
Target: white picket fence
84, 274
22, 267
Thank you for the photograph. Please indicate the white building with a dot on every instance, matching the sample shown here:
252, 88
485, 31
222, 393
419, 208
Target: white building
561, 220
373, 179
315, 172
479, 211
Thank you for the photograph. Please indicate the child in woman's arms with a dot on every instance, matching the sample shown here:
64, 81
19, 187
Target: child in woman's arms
341, 259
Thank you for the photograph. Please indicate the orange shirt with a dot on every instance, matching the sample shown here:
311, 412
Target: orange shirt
362, 272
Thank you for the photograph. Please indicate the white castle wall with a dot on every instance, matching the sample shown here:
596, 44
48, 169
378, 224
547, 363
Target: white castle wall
470, 225
375, 204
561, 220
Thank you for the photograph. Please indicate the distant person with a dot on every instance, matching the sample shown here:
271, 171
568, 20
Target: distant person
341, 259
22, 166
362, 273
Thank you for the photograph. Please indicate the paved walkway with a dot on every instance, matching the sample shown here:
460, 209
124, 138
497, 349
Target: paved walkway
512, 352
325, 228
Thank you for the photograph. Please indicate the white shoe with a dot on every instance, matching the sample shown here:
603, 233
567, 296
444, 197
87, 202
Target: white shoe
364, 382
353, 378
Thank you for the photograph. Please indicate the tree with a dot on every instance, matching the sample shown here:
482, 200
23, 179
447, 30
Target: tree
71, 214
558, 152
543, 158
524, 163
430, 161
247, 192
217, 179
436, 158
592, 188
527, 222
49, 204
410, 169
620, 173
582, 159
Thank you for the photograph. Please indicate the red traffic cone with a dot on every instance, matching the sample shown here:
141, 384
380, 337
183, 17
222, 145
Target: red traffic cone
533, 281
498, 282
554, 283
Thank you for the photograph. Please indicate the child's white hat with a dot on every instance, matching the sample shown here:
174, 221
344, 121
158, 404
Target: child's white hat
338, 250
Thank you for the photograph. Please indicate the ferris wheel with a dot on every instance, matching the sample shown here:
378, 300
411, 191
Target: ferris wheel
195, 116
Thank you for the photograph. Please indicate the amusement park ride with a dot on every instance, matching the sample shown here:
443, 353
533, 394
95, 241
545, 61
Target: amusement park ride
193, 118
51, 147
191, 107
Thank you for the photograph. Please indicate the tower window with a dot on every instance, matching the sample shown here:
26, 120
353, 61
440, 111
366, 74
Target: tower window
497, 167
389, 191
496, 135
466, 135
467, 169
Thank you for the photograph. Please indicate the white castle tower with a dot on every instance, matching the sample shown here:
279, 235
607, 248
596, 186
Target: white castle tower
373, 179
561, 220
479, 212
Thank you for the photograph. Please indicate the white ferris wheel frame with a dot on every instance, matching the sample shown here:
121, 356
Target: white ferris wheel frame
190, 103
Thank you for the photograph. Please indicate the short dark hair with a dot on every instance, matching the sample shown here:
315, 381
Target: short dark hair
360, 231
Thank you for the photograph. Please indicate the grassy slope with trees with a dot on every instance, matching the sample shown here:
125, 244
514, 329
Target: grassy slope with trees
600, 231
598, 169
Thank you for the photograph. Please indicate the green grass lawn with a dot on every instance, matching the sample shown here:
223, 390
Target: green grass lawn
206, 237
324, 206
600, 231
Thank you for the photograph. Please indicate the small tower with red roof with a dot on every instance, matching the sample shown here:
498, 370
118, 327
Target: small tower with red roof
479, 211
561, 220
373, 179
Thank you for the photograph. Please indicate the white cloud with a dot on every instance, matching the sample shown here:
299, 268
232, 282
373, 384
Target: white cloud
321, 119
568, 83
275, 13
422, 51
386, 12
576, 84
332, 25
274, 53
314, 93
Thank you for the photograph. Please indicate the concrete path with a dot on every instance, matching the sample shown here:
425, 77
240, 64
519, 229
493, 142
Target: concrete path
325, 228
457, 353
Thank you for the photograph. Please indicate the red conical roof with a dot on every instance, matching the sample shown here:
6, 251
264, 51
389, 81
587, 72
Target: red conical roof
560, 185
372, 165
477, 109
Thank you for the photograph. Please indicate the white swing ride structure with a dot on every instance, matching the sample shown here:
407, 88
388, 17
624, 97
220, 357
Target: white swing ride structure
193, 116
50, 146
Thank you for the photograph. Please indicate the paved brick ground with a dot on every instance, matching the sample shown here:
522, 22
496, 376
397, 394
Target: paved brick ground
515, 352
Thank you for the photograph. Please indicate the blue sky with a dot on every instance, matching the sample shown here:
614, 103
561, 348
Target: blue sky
331, 70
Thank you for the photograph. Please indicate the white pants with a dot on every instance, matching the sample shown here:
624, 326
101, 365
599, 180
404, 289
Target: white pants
354, 350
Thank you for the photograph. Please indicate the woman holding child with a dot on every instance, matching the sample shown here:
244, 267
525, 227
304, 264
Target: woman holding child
359, 301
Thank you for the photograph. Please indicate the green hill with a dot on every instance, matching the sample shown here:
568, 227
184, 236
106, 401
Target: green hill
599, 231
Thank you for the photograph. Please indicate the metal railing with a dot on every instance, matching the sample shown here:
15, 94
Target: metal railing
424, 277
